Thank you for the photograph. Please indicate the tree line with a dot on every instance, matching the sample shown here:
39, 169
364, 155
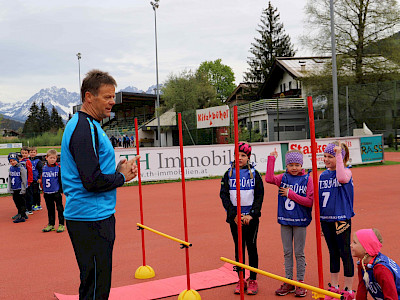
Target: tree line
40, 120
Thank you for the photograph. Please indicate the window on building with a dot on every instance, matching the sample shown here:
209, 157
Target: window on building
264, 128
281, 88
256, 126
289, 128
284, 87
290, 85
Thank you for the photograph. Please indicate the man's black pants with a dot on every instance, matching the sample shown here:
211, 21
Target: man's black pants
93, 243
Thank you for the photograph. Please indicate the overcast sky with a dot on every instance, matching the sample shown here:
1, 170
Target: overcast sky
39, 39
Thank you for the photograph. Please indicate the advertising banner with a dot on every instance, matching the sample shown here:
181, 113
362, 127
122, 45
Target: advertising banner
213, 117
200, 161
371, 148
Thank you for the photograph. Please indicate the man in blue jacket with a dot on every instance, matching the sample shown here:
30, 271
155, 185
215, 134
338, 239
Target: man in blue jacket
90, 179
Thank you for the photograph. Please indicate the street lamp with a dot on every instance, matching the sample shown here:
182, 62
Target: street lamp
336, 121
155, 6
79, 55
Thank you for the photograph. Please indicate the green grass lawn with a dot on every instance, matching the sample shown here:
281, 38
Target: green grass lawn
392, 149
39, 150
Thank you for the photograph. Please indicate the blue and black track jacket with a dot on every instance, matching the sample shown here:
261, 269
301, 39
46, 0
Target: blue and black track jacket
88, 173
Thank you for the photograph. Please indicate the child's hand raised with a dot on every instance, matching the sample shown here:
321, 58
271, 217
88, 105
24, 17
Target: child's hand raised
274, 153
338, 149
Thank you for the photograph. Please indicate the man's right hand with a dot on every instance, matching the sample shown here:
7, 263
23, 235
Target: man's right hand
128, 168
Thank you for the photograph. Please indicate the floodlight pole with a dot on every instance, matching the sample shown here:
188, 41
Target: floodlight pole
79, 55
334, 76
155, 5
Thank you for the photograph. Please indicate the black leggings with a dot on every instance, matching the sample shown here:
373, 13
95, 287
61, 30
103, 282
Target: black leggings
35, 193
19, 201
337, 236
249, 239
93, 243
51, 199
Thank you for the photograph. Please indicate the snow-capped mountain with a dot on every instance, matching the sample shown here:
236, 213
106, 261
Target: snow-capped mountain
60, 98
131, 89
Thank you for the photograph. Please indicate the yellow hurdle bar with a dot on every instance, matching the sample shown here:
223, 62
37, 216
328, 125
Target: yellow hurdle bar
182, 242
317, 292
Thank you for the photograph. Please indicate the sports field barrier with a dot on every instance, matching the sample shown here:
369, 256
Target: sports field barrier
182, 242
317, 292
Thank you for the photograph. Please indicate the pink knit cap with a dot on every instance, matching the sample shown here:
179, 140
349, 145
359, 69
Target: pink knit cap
369, 241
245, 148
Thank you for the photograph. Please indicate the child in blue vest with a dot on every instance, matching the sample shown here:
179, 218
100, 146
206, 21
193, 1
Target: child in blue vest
251, 199
378, 274
17, 183
37, 173
52, 190
295, 200
28, 165
336, 194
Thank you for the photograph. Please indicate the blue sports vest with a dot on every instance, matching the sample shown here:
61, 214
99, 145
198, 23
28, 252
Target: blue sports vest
50, 179
15, 177
34, 171
246, 189
335, 199
290, 212
374, 288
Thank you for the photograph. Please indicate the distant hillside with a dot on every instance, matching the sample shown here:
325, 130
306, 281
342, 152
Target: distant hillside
10, 124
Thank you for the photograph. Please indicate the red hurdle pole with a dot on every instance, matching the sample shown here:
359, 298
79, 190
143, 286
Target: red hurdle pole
140, 191
184, 199
316, 195
239, 209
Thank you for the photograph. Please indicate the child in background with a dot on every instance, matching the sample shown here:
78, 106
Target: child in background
28, 165
17, 186
336, 194
295, 200
251, 196
36, 174
377, 273
52, 190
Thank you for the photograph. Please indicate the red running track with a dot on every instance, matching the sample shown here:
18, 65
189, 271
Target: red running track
34, 265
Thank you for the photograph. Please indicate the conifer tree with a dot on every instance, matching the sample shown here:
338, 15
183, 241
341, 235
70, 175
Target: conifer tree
32, 123
44, 117
272, 43
55, 119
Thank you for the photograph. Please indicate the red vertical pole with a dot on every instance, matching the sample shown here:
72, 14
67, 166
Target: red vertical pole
184, 199
316, 195
140, 191
239, 209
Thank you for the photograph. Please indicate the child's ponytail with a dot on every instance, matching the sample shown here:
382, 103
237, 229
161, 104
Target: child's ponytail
251, 173
347, 153
231, 170
366, 276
